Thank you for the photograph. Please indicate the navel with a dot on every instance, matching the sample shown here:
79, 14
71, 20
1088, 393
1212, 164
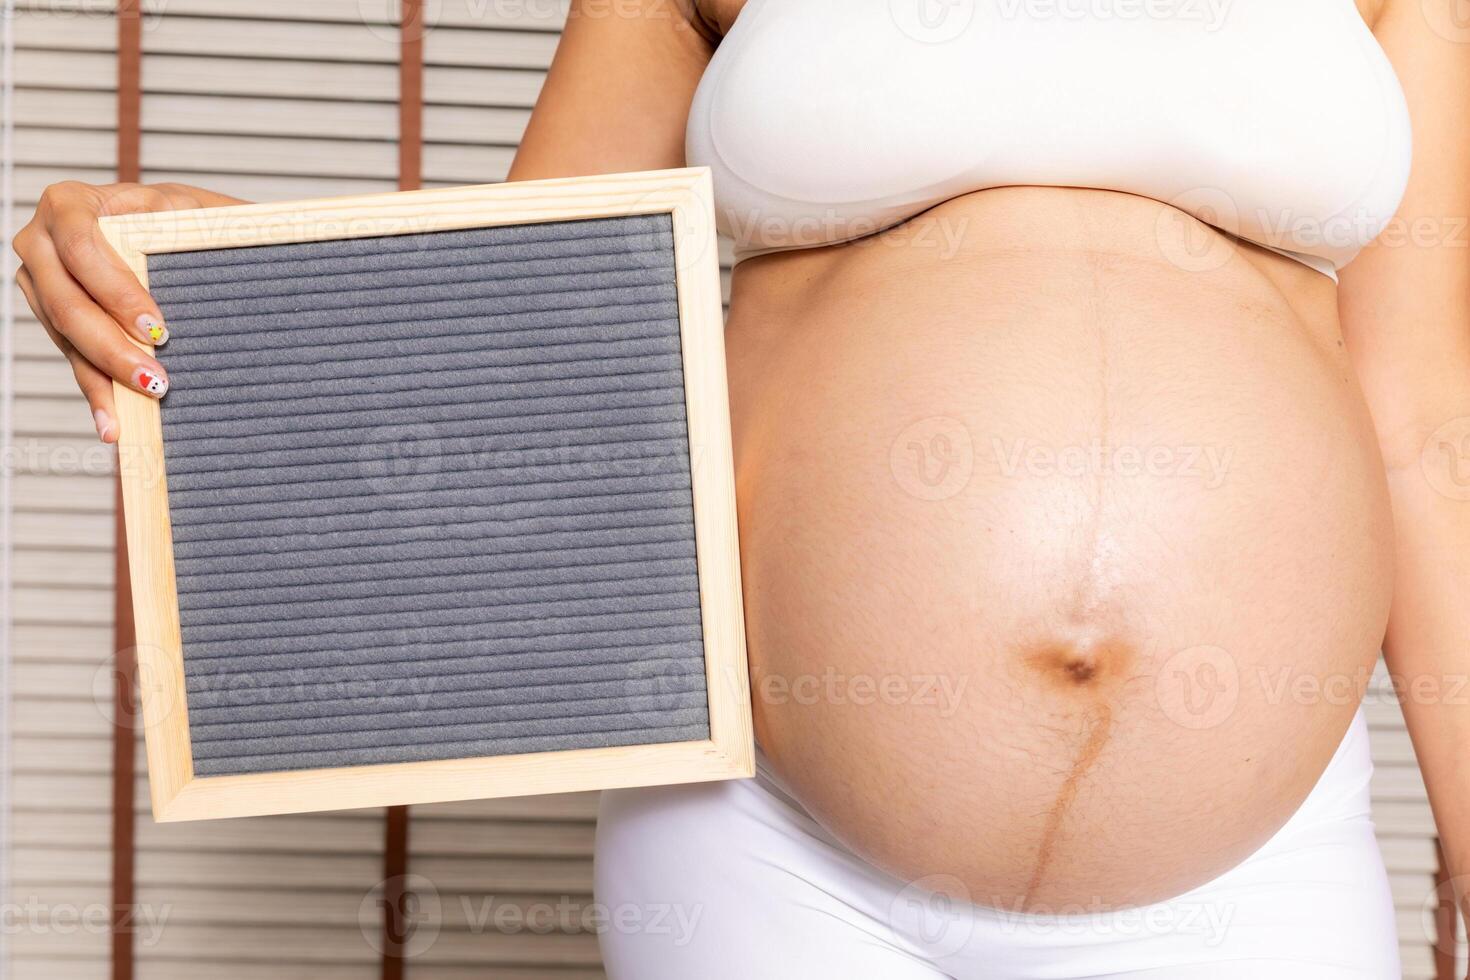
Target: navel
1080, 666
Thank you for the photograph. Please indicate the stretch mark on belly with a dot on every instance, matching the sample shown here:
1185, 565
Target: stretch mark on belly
1085, 676
1086, 670
1097, 726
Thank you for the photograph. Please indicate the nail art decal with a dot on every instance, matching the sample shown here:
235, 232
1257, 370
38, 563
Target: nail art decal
153, 329
152, 383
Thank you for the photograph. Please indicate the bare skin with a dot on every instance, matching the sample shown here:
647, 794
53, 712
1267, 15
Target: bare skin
1062, 596
1135, 671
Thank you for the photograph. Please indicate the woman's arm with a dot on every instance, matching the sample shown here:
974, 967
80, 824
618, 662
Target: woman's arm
617, 96
1405, 307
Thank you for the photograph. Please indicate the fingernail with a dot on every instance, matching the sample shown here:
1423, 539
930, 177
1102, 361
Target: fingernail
105, 425
150, 381
153, 328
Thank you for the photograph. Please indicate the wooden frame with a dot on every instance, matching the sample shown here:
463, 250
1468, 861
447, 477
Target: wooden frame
685, 194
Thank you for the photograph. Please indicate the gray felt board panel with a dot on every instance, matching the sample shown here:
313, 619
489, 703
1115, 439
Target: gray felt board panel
430, 496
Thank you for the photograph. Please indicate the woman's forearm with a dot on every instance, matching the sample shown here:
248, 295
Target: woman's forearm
1428, 643
618, 92
1405, 309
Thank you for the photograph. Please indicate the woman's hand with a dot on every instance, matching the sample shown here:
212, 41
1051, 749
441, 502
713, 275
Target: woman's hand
86, 298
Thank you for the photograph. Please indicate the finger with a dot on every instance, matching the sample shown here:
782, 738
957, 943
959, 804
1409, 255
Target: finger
94, 334
96, 387
78, 243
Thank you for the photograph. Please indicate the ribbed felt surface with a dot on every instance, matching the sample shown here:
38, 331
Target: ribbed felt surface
430, 496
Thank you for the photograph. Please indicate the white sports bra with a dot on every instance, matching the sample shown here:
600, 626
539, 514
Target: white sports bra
1280, 122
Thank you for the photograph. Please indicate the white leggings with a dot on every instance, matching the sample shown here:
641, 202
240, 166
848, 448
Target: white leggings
734, 881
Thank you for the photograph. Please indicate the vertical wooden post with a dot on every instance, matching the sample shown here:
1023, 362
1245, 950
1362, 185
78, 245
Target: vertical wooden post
411, 96
410, 177
129, 168
397, 920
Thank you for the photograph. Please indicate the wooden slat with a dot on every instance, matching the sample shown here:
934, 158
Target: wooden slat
538, 15
62, 607
258, 910
566, 806
270, 155
67, 940
63, 569
77, 755
47, 680
1391, 746
78, 109
254, 116
540, 875
30, 182
259, 187
60, 792
476, 971
339, 10
166, 869
204, 969
62, 456
302, 944
25, 320
61, 416
37, 147
1410, 854
1403, 818
350, 832
525, 948
474, 125
39, 28
94, 71
61, 532
59, 493
465, 164
61, 830
533, 15
191, 74
49, 378
445, 85
446, 838
489, 49
83, 715
1398, 782
271, 40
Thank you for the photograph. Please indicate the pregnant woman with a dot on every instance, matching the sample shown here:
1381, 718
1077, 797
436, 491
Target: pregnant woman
1089, 448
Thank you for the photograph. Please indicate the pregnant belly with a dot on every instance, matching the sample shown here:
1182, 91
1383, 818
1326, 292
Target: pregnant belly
1064, 566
